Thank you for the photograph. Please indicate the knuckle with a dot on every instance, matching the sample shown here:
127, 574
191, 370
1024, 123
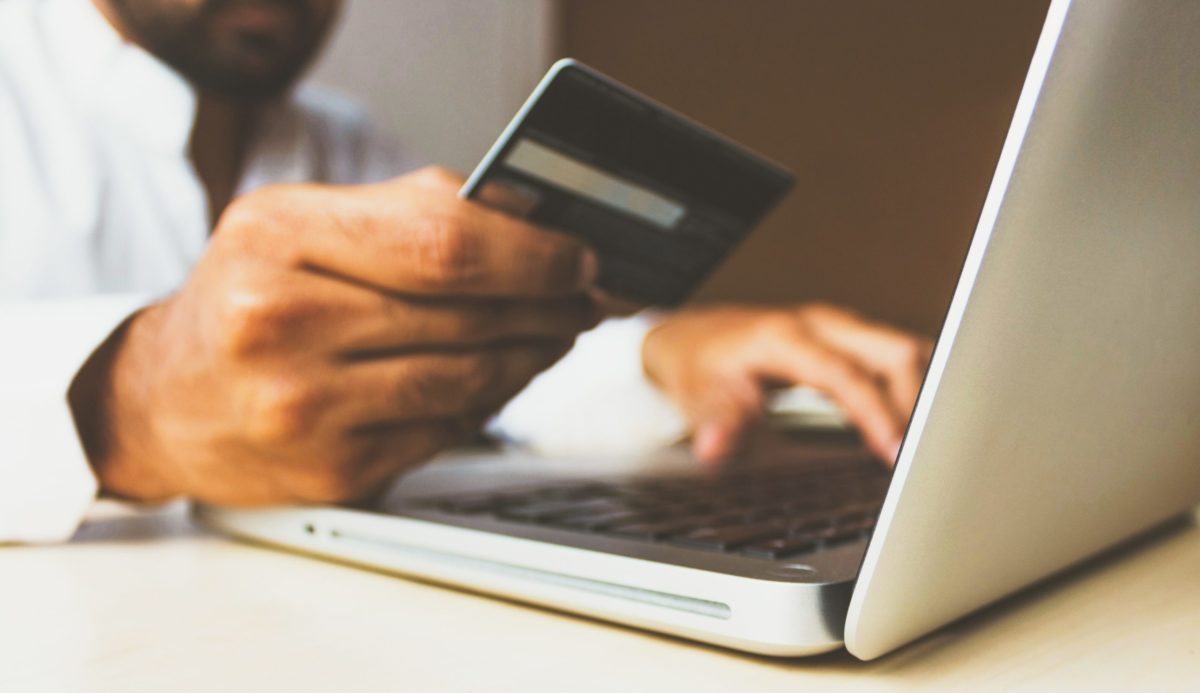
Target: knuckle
480, 374
840, 374
820, 312
284, 410
485, 322
438, 176
926, 351
566, 318
243, 214
448, 255
392, 310
911, 354
907, 355
448, 385
561, 265
260, 225
776, 327
924, 348
779, 323
250, 215
243, 333
421, 389
254, 320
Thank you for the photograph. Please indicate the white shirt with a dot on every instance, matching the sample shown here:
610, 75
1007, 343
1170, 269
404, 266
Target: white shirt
102, 213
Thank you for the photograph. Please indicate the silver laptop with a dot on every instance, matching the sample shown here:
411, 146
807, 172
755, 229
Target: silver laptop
1060, 415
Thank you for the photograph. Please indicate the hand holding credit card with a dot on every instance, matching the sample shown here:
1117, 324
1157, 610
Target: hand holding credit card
660, 198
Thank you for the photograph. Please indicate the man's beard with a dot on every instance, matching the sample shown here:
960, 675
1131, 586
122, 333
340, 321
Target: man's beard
245, 62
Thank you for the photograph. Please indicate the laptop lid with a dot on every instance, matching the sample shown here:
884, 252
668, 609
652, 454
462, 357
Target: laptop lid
1061, 412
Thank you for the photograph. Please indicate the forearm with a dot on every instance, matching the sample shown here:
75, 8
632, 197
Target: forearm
103, 393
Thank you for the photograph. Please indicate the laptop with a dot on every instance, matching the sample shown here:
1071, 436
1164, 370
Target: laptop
1060, 414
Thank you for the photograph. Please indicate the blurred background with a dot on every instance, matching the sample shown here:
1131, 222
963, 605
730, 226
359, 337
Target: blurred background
891, 113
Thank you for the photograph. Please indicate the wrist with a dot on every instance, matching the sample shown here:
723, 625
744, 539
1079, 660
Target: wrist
656, 360
111, 419
650, 356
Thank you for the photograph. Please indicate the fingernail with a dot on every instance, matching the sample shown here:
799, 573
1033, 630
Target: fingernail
711, 443
895, 450
705, 441
589, 269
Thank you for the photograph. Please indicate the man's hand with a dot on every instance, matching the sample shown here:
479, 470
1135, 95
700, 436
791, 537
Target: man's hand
329, 338
719, 363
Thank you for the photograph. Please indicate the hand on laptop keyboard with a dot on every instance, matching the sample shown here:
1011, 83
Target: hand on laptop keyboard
717, 364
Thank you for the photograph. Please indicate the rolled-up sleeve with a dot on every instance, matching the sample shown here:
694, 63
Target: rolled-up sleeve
596, 400
46, 483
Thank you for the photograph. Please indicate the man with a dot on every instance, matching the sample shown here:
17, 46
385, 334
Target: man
238, 342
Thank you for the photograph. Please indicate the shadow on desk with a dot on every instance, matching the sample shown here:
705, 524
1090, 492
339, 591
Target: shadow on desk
1069, 596
114, 523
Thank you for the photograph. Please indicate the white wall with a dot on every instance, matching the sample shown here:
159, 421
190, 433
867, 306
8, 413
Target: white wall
443, 76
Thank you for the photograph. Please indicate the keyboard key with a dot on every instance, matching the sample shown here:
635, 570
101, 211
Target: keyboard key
726, 538
781, 547
766, 513
539, 511
861, 509
808, 523
473, 504
580, 491
841, 537
595, 523
860, 525
599, 506
718, 519
651, 530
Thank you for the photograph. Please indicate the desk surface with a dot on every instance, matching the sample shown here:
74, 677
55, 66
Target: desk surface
148, 603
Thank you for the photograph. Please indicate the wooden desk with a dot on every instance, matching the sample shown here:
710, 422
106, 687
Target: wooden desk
149, 603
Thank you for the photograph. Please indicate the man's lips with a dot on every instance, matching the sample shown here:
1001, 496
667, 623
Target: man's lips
272, 18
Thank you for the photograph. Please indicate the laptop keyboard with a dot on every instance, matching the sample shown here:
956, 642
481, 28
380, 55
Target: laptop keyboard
770, 513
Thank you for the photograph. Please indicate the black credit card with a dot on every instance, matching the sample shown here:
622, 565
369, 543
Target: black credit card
660, 198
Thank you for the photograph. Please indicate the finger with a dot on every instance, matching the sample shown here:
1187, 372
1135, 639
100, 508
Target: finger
711, 443
804, 361
401, 324
408, 238
425, 386
372, 458
396, 449
508, 198
350, 320
722, 419
613, 306
897, 357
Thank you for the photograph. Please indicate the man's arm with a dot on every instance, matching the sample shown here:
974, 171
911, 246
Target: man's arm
329, 338
632, 385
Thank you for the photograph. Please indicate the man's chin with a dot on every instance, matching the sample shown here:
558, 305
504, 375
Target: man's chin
246, 83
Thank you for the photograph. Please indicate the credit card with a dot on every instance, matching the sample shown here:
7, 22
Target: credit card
660, 198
